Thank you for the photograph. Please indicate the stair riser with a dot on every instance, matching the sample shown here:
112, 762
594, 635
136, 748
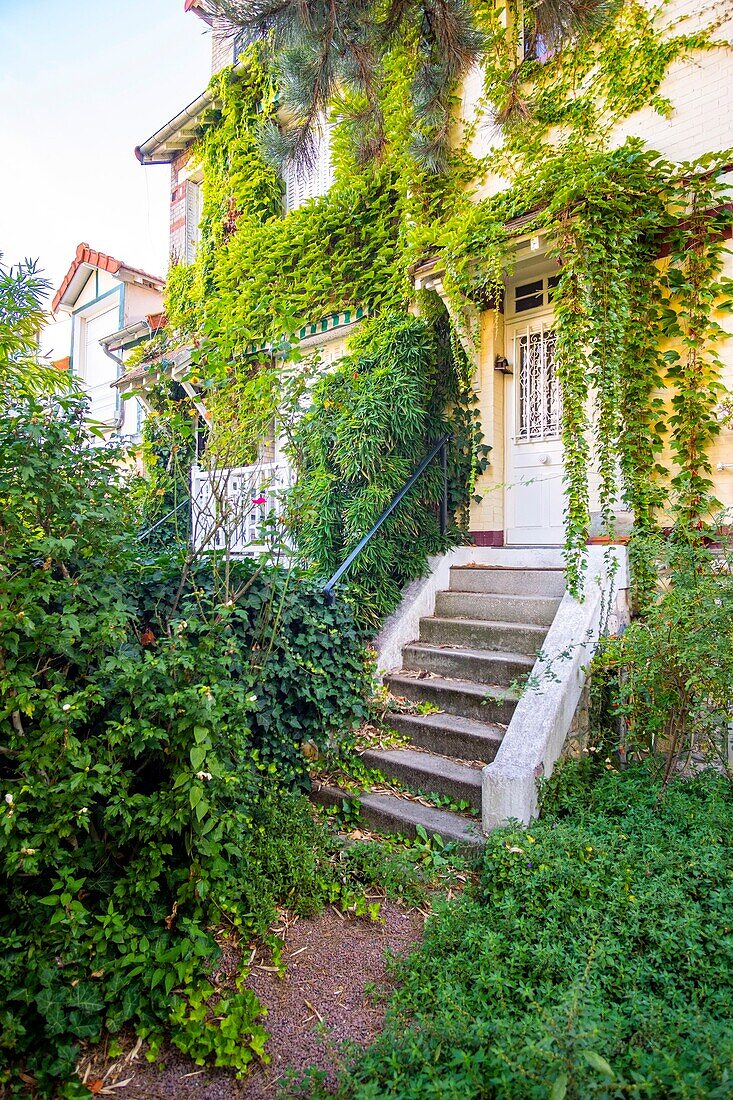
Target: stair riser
429, 781
490, 636
482, 670
514, 582
382, 820
462, 746
478, 605
455, 701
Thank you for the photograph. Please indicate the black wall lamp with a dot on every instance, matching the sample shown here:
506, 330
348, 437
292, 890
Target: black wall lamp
502, 365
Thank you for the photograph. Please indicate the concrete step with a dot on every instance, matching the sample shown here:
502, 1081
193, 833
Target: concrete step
483, 666
422, 771
449, 734
510, 581
483, 634
389, 813
482, 702
533, 610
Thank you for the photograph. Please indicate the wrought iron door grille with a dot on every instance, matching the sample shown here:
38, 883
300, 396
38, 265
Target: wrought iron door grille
539, 391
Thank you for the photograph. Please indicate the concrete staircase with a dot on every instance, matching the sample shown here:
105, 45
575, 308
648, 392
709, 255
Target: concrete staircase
468, 664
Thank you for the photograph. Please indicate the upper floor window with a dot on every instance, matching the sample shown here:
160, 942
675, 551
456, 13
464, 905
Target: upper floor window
531, 44
534, 46
95, 369
311, 183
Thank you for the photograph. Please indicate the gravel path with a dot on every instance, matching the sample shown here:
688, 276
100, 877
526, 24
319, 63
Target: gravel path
318, 1004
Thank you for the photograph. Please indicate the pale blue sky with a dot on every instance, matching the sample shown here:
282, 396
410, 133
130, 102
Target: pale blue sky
82, 82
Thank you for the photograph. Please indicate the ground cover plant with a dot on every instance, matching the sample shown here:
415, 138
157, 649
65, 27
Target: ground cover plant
594, 959
152, 741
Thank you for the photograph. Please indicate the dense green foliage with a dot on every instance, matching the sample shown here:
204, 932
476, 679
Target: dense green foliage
369, 425
338, 52
22, 291
594, 959
340, 252
302, 662
152, 722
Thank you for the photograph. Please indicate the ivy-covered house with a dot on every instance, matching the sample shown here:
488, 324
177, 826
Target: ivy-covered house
533, 257
551, 211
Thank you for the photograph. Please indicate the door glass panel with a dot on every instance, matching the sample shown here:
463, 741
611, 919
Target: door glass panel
539, 390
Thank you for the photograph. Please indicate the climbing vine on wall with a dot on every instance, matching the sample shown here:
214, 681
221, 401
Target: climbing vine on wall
608, 215
695, 296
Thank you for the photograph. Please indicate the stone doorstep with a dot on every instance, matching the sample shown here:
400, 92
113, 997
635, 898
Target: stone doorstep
389, 813
449, 734
505, 580
513, 568
425, 771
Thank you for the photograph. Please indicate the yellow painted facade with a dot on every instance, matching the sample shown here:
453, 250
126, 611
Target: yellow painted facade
700, 89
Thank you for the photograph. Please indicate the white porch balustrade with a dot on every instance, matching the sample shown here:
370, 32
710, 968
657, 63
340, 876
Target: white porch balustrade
231, 509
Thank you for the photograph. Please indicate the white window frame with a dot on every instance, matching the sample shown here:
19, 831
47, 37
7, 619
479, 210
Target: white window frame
194, 211
545, 292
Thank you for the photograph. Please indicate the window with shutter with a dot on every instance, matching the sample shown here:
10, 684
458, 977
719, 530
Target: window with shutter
193, 218
312, 182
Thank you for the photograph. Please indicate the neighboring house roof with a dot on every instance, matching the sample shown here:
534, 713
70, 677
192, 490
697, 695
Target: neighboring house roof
86, 260
200, 8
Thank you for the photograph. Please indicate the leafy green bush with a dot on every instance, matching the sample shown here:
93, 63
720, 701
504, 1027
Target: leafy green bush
593, 960
303, 662
370, 424
143, 758
670, 674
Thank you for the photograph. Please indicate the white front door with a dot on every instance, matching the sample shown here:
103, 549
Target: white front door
534, 500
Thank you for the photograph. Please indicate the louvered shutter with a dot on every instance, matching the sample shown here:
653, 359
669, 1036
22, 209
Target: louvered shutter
193, 217
301, 186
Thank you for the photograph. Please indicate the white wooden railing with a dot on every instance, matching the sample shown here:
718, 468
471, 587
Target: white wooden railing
230, 508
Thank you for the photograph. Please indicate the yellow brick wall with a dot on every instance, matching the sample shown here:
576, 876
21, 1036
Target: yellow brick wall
699, 88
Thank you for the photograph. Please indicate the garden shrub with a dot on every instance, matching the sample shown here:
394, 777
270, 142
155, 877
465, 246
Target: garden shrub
669, 676
143, 778
593, 959
303, 661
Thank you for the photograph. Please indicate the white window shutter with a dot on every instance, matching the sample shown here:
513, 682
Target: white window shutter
193, 217
301, 186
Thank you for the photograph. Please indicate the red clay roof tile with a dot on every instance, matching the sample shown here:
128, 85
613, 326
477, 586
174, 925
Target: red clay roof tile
87, 255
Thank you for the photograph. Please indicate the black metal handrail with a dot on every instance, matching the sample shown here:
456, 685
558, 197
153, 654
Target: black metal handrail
144, 534
439, 445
